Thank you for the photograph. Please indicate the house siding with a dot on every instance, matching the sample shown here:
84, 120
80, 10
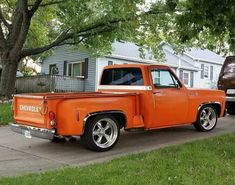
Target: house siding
179, 62
68, 54
198, 75
90, 83
211, 81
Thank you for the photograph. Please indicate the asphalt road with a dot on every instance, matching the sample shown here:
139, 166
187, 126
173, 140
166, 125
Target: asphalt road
19, 155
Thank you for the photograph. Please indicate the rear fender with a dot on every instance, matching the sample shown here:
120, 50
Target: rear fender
119, 115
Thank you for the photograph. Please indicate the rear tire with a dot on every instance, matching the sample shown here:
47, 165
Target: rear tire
101, 133
207, 119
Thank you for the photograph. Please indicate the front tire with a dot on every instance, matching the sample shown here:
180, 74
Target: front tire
101, 133
207, 119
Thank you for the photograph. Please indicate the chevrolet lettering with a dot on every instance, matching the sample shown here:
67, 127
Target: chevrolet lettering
29, 108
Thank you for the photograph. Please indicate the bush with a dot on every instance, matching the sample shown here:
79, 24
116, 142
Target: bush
6, 114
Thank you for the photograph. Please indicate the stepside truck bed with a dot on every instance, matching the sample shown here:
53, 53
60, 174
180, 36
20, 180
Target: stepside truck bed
33, 113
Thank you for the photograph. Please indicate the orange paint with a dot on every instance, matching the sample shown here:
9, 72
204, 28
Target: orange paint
144, 106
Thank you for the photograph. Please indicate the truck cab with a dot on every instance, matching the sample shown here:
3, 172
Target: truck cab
158, 87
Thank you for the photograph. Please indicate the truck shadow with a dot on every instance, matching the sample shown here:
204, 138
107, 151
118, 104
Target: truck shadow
127, 141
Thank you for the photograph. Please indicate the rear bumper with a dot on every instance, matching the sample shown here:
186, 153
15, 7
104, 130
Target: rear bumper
230, 99
29, 131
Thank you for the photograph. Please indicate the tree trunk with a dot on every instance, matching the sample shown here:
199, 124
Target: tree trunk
8, 78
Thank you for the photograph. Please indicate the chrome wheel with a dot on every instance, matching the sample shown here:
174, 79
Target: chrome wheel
105, 133
208, 118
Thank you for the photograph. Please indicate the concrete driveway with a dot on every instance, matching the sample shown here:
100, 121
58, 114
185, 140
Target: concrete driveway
19, 155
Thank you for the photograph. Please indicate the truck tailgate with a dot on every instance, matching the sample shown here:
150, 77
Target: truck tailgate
30, 110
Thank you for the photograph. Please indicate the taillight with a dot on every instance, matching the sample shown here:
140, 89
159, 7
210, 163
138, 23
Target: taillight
51, 115
52, 118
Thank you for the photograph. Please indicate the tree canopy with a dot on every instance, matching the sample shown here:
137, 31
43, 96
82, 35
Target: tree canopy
33, 27
201, 23
56, 22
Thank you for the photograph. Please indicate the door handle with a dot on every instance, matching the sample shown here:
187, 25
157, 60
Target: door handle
157, 92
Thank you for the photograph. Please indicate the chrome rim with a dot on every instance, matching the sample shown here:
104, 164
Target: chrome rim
208, 118
105, 133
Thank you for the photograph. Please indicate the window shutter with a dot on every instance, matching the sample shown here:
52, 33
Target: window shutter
191, 79
181, 75
211, 73
70, 70
65, 68
85, 69
202, 71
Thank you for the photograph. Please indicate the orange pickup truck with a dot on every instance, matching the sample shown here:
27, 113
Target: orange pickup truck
129, 97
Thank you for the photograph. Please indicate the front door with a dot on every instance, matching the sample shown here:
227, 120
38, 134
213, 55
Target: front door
170, 98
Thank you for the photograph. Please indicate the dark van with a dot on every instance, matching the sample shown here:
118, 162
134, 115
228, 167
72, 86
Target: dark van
226, 82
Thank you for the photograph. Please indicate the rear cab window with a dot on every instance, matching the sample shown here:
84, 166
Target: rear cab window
122, 76
229, 66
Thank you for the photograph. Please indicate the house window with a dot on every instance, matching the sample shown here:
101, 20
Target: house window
156, 77
206, 71
53, 70
186, 78
211, 73
110, 63
76, 69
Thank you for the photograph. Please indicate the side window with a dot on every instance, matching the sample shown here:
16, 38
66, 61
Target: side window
164, 79
122, 76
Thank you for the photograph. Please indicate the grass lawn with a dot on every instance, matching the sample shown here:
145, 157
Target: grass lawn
210, 161
5, 114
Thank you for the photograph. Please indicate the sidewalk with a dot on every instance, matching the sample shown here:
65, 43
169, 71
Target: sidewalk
20, 155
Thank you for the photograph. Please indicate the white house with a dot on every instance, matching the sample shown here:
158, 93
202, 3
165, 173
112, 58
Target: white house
197, 68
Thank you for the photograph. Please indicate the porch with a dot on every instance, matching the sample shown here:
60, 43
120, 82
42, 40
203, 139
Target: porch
49, 83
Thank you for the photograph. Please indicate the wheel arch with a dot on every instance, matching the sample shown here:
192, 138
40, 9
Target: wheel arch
199, 125
120, 116
216, 105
